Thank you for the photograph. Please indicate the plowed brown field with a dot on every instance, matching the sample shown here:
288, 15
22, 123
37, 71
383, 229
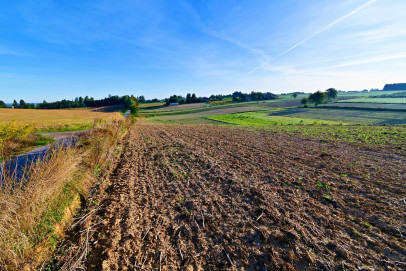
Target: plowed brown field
217, 198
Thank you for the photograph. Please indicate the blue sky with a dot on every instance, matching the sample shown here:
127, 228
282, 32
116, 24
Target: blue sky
63, 49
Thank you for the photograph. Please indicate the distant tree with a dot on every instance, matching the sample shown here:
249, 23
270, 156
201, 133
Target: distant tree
141, 99
194, 98
15, 104
399, 86
237, 94
294, 95
2, 104
256, 96
81, 102
188, 98
317, 98
22, 103
174, 99
216, 98
305, 101
155, 100
332, 93
134, 106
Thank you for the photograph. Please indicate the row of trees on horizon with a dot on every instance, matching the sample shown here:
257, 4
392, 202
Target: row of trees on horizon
82, 102
238, 96
319, 97
78, 102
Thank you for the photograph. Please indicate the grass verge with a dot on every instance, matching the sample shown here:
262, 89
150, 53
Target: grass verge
36, 209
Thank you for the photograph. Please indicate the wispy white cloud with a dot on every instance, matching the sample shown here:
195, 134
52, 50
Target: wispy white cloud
378, 35
6, 51
293, 70
363, 61
219, 35
327, 27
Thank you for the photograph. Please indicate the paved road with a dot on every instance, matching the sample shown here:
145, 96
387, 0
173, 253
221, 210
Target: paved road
16, 165
127, 114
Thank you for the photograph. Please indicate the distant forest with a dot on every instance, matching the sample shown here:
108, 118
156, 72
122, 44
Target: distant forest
80, 102
77, 103
236, 97
399, 86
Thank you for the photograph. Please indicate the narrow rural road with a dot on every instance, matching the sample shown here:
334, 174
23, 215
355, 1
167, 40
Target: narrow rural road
16, 165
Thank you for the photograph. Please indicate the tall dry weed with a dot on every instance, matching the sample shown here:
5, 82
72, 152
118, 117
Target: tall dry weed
25, 203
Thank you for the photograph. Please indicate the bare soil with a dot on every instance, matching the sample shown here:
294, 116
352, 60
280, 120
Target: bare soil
218, 198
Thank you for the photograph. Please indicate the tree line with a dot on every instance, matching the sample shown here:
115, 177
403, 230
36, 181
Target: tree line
237, 96
320, 97
253, 96
398, 86
78, 102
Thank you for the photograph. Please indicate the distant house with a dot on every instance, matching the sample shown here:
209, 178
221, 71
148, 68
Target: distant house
12, 107
173, 104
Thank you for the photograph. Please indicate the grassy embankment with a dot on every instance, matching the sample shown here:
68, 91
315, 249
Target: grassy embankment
36, 211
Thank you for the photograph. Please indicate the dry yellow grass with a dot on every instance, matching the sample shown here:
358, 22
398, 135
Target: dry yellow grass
35, 210
54, 120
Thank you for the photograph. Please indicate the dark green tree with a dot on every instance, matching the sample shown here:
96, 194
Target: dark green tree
305, 101
82, 102
141, 99
331, 93
294, 95
22, 103
188, 98
194, 98
134, 107
2, 104
317, 98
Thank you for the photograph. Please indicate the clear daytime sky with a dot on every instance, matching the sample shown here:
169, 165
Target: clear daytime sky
61, 49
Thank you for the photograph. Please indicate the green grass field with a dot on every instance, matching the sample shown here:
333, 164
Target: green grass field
353, 116
200, 117
262, 118
313, 128
364, 94
374, 136
371, 106
376, 100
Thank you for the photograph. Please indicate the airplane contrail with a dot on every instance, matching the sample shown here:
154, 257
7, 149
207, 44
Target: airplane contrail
315, 34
